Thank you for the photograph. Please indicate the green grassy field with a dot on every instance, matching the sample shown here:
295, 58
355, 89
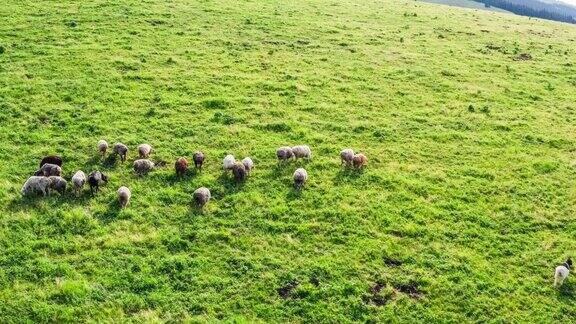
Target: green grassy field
466, 207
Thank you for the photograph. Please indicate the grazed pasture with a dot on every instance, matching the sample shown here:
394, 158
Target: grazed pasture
467, 117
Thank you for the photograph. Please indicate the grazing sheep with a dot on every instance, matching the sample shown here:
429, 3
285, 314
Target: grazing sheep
201, 196
302, 151
360, 160
198, 158
347, 157
102, 147
78, 180
181, 166
239, 172
284, 153
124, 195
248, 164
36, 184
51, 159
121, 150
229, 162
95, 179
58, 184
49, 169
144, 150
143, 166
562, 272
300, 178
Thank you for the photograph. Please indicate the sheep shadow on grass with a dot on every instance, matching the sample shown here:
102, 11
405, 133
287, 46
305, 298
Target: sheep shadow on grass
98, 162
230, 186
566, 292
294, 194
111, 214
347, 174
55, 200
173, 178
194, 210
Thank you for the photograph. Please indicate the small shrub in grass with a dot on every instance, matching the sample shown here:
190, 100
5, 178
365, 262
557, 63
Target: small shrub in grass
69, 291
215, 103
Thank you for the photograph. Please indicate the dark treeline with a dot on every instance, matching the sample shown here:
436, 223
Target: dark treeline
536, 9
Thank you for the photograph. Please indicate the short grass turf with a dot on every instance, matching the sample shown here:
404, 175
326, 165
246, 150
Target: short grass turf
467, 205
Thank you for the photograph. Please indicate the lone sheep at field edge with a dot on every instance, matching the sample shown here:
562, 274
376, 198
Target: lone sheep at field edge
360, 161
121, 150
347, 157
144, 150
201, 196
181, 166
562, 272
302, 151
300, 178
78, 180
228, 162
95, 180
58, 183
102, 147
143, 166
284, 153
248, 164
124, 195
51, 159
198, 158
36, 184
49, 169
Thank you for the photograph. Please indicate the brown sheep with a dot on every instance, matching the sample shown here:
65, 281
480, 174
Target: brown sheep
239, 171
198, 158
360, 160
181, 166
51, 159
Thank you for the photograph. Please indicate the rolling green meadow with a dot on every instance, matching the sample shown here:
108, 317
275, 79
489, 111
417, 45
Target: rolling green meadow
467, 205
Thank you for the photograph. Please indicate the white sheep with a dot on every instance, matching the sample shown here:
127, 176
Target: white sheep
102, 147
248, 164
302, 151
201, 196
144, 150
284, 153
121, 150
58, 183
49, 169
300, 178
562, 272
143, 166
124, 196
36, 184
78, 180
347, 157
228, 162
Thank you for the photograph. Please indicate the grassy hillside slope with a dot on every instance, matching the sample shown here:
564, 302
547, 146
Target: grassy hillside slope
466, 207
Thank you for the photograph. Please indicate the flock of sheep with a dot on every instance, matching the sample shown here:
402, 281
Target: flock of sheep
49, 176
